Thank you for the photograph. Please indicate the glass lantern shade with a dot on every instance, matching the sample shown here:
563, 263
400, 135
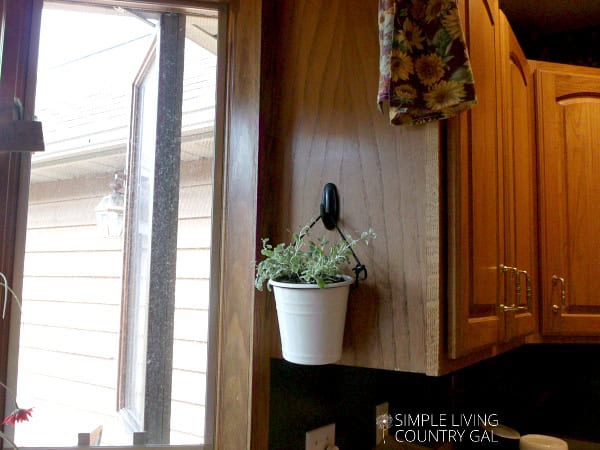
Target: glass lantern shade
109, 215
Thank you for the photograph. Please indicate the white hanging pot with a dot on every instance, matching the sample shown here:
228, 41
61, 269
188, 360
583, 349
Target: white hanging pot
311, 320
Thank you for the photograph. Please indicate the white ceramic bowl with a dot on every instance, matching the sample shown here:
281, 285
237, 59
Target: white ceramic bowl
541, 442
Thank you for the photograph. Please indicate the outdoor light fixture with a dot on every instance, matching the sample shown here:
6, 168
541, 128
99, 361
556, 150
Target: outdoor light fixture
110, 210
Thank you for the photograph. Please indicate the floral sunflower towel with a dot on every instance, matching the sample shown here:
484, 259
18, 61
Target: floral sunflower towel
425, 72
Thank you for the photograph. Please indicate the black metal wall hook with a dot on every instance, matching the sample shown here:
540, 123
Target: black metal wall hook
330, 206
330, 214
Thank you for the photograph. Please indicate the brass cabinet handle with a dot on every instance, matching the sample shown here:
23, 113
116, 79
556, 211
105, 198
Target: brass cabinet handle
563, 292
514, 307
505, 269
517, 285
528, 289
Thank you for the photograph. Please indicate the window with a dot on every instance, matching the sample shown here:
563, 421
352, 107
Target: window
118, 263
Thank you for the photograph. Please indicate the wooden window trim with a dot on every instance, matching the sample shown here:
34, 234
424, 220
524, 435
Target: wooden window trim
16, 81
20, 30
242, 372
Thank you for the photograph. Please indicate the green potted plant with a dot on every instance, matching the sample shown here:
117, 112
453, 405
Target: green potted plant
311, 294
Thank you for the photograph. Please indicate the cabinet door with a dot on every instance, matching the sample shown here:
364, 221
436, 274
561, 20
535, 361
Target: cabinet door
520, 302
568, 107
474, 195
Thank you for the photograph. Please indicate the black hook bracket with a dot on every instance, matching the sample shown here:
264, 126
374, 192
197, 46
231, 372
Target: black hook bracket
330, 206
329, 215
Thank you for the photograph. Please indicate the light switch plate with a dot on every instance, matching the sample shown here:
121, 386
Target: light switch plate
320, 438
380, 410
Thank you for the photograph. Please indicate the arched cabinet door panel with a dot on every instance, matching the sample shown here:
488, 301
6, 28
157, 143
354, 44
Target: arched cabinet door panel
568, 111
475, 202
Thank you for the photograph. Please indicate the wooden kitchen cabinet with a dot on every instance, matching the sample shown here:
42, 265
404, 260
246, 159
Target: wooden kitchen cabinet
491, 195
568, 112
447, 206
475, 228
520, 174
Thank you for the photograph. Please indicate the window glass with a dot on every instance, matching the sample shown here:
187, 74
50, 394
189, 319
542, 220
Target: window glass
106, 300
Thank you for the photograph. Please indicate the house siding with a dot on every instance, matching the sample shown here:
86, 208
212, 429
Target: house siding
72, 300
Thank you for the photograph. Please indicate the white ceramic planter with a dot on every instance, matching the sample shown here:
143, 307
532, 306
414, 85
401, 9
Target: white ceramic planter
311, 320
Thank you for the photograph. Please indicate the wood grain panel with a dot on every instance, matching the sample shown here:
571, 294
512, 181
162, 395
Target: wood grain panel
582, 138
237, 406
552, 195
328, 129
520, 177
486, 187
568, 112
475, 201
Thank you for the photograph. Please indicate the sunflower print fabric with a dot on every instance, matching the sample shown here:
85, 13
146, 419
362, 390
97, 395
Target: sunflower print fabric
424, 66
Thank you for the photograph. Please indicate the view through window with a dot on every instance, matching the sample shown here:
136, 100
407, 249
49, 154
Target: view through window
114, 324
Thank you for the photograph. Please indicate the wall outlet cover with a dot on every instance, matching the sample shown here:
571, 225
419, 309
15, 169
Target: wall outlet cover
320, 438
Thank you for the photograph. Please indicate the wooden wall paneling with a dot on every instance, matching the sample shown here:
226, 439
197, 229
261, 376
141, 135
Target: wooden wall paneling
329, 130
